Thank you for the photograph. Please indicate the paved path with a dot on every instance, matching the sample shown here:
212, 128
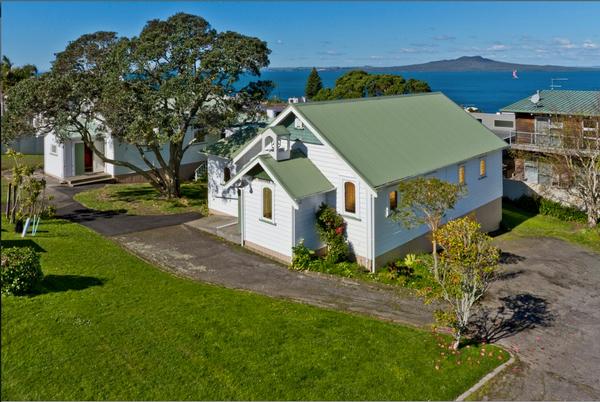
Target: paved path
194, 254
108, 223
547, 308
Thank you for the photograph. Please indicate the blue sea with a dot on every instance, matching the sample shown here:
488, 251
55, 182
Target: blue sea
489, 91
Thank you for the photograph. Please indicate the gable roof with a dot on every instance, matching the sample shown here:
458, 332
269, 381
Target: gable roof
298, 176
575, 103
230, 146
387, 139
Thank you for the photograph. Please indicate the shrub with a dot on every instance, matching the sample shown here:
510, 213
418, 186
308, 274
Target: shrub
544, 206
332, 230
301, 256
21, 270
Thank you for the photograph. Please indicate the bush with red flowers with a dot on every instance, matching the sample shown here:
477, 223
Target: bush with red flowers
331, 228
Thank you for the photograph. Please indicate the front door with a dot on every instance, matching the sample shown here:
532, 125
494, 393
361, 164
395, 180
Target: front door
79, 158
88, 159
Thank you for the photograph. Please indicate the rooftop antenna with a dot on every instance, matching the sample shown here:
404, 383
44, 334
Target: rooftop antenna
553, 85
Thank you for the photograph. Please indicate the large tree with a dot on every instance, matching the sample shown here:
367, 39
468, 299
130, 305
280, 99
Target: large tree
576, 158
313, 84
12, 75
358, 84
147, 92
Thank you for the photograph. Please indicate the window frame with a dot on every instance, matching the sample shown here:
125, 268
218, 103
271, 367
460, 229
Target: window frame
390, 210
356, 192
483, 163
226, 170
54, 149
462, 167
270, 220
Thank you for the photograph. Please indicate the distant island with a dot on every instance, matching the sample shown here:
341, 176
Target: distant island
464, 63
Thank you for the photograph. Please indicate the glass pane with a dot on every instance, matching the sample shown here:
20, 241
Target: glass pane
350, 197
267, 203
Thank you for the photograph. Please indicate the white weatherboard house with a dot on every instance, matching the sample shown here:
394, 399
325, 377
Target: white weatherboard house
71, 158
351, 155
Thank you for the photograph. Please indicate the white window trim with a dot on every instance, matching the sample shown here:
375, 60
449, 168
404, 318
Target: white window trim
55, 152
261, 218
464, 165
342, 209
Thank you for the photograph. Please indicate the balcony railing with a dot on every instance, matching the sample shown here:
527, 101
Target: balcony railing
549, 141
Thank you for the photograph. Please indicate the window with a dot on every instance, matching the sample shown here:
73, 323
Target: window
503, 123
393, 200
267, 203
226, 174
53, 149
589, 125
482, 168
350, 197
461, 174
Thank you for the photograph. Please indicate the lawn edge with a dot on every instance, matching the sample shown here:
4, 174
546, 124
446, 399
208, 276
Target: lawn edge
487, 378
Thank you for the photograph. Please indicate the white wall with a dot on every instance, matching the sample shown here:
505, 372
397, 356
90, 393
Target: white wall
131, 154
54, 164
390, 234
337, 172
276, 236
305, 220
219, 199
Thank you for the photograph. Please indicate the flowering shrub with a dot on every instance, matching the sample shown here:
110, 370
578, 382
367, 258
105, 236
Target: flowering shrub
332, 230
20, 271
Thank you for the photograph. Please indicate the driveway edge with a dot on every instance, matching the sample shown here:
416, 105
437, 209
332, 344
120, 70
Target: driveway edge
487, 378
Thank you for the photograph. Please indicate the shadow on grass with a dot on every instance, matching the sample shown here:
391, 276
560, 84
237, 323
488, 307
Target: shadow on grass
511, 218
63, 283
23, 243
516, 314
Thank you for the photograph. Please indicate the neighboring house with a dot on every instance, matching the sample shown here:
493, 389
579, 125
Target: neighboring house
351, 155
538, 123
72, 158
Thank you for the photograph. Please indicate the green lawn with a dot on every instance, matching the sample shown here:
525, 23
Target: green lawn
31, 160
107, 325
143, 199
525, 224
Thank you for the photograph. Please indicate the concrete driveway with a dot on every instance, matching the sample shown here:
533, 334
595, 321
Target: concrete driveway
547, 309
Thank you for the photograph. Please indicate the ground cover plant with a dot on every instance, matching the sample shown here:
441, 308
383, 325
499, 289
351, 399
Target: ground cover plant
107, 325
143, 199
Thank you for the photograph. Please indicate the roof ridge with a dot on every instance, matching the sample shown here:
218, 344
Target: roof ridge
365, 99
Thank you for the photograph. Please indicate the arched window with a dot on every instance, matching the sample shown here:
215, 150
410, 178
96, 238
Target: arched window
226, 174
267, 203
350, 197
461, 174
393, 200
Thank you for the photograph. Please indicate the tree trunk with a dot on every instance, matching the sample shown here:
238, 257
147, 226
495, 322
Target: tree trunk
435, 259
592, 218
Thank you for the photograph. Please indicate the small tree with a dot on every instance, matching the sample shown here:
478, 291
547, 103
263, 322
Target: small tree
467, 266
426, 201
313, 84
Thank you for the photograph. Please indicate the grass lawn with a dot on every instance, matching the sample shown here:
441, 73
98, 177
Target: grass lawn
143, 199
31, 160
107, 325
525, 224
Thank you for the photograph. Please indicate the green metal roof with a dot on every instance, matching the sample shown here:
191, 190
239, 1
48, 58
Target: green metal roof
280, 130
386, 139
229, 147
298, 175
575, 103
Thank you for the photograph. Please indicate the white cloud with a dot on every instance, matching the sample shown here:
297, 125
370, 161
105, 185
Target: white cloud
498, 47
588, 44
565, 43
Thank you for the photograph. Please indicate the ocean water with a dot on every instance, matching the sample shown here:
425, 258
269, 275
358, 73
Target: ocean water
489, 91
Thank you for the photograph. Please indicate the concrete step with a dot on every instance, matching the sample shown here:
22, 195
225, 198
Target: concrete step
90, 179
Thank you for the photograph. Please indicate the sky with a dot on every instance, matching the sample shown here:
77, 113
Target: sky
331, 33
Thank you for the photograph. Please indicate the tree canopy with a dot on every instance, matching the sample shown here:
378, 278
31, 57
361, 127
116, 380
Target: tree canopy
313, 84
11, 74
149, 92
359, 84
